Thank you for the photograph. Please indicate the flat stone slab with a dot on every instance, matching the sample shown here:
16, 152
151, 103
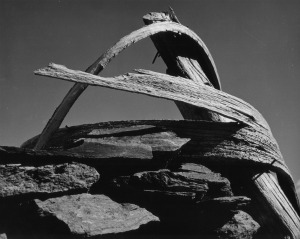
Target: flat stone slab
89, 215
28, 181
191, 185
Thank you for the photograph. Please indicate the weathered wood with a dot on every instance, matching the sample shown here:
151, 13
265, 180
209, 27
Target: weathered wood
179, 57
59, 114
269, 193
167, 87
200, 50
182, 57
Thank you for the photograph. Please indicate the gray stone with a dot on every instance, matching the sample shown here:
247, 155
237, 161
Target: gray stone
89, 215
31, 181
241, 226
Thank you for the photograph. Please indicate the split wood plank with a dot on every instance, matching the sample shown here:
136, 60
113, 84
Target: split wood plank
167, 87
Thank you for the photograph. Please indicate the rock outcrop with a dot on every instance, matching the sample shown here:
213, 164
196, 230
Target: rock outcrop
85, 215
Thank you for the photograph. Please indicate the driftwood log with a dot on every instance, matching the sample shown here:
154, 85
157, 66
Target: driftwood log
218, 173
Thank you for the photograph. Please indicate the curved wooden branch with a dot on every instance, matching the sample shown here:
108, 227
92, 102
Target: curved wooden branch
201, 51
202, 54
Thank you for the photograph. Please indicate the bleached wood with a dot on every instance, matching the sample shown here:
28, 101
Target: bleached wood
201, 52
276, 206
60, 113
178, 55
168, 87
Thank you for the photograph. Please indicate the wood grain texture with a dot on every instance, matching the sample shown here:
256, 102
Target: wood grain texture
277, 209
200, 50
290, 218
167, 87
179, 56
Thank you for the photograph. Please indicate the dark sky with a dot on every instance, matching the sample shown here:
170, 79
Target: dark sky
255, 45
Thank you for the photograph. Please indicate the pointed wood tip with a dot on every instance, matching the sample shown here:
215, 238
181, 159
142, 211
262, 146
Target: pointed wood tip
51, 66
156, 17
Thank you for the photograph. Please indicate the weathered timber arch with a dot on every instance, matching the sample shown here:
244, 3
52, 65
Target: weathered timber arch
247, 144
204, 58
201, 51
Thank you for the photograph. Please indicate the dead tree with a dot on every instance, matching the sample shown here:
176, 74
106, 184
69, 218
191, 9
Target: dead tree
218, 172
